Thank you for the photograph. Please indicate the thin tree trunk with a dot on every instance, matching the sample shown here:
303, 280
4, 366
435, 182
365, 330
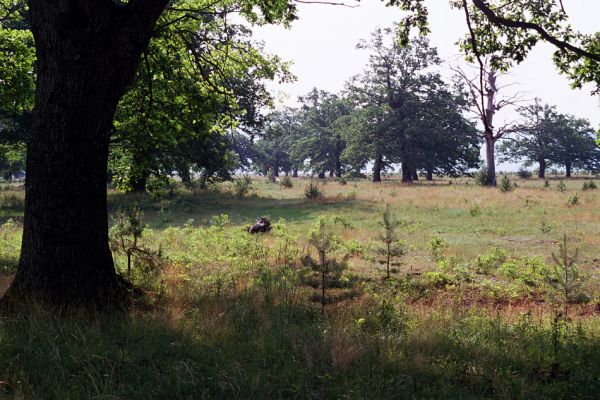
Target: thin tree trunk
490, 160
568, 170
377, 167
294, 173
331, 173
87, 54
542, 170
321, 175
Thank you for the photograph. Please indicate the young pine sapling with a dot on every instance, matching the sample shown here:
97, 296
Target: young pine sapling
325, 240
567, 279
393, 247
126, 233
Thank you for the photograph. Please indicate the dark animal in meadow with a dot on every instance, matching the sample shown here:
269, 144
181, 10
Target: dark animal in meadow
261, 225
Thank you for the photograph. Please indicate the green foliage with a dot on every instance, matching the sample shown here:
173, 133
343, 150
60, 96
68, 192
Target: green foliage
242, 186
505, 184
567, 279
286, 182
487, 263
312, 191
573, 200
474, 210
545, 227
159, 187
561, 187
436, 247
10, 246
325, 240
589, 185
546, 182
524, 173
125, 236
392, 246
482, 177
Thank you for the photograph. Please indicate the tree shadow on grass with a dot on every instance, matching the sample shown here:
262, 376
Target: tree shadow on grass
201, 207
238, 347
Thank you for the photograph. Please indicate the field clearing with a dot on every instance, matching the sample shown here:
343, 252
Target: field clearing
233, 315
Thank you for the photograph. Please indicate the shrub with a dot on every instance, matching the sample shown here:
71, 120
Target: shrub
482, 177
589, 185
126, 234
11, 201
326, 242
561, 187
474, 210
436, 248
546, 182
505, 184
286, 182
341, 180
486, 263
312, 191
545, 227
393, 248
159, 187
573, 200
242, 186
524, 173
566, 278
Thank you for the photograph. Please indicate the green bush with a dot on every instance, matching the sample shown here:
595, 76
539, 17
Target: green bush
524, 173
589, 185
286, 182
561, 187
436, 247
505, 184
242, 186
487, 263
573, 200
482, 177
312, 191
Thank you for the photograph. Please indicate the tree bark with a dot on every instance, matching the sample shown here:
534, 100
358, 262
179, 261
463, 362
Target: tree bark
429, 174
490, 160
567, 169
87, 54
321, 175
377, 167
542, 170
338, 168
406, 173
414, 175
294, 173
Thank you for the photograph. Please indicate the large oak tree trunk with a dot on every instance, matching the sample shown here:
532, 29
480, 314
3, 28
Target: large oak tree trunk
377, 167
567, 170
429, 173
406, 173
87, 53
542, 170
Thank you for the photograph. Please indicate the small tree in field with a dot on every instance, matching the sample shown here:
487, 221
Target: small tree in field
393, 247
567, 279
126, 234
325, 241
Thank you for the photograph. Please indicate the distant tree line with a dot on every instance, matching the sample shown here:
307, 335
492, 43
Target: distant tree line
201, 114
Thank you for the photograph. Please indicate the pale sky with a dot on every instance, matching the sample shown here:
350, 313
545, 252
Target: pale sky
322, 43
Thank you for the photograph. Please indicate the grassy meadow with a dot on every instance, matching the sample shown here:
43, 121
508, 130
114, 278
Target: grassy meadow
476, 306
